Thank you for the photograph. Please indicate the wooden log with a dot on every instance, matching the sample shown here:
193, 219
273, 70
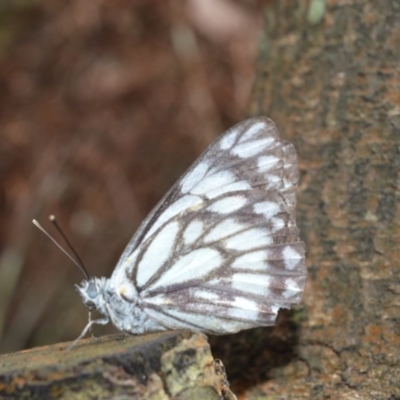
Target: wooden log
162, 366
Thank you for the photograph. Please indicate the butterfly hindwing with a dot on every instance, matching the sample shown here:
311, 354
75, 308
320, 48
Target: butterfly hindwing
221, 252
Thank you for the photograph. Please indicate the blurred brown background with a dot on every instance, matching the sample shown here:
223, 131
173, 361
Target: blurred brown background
103, 105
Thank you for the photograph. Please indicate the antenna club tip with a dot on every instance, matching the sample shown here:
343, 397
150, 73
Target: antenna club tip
34, 221
52, 217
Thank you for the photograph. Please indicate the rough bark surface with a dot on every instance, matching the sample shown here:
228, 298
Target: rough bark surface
164, 366
330, 78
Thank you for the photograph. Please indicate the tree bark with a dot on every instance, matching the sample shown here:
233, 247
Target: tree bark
329, 76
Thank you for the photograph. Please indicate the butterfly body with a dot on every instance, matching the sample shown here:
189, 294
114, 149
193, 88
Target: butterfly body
220, 252
126, 314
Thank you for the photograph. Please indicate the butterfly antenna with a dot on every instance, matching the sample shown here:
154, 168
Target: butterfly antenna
78, 263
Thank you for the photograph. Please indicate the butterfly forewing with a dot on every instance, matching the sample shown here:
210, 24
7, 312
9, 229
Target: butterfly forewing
221, 252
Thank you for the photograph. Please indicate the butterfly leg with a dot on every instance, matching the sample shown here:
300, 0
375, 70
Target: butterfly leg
91, 327
88, 327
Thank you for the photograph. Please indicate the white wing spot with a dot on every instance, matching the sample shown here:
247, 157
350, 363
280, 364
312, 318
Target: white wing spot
287, 184
265, 163
291, 284
228, 204
192, 232
233, 187
223, 229
277, 224
194, 265
274, 182
194, 177
250, 149
204, 294
244, 309
214, 181
157, 253
291, 258
252, 131
160, 300
248, 239
228, 140
275, 309
267, 208
251, 283
289, 293
254, 261
184, 203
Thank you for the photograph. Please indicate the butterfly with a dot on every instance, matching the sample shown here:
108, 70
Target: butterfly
220, 252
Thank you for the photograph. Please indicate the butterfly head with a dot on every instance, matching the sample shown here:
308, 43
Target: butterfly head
91, 292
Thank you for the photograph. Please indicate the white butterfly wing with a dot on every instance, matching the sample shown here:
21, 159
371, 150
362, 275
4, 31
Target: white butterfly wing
220, 252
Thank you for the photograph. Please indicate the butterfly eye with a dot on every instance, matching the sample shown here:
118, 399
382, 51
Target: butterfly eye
92, 291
